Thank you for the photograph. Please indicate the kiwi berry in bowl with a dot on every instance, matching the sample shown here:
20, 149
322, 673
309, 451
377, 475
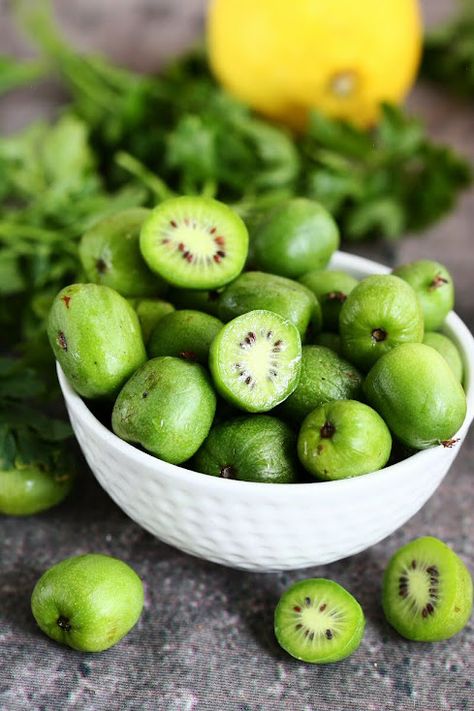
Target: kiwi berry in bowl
261, 526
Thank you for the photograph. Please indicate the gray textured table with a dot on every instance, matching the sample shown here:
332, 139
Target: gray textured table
205, 639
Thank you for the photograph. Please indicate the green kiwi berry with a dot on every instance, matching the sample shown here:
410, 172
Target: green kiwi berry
185, 334
258, 448
167, 407
96, 337
427, 591
331, 288
434, 288
447, 349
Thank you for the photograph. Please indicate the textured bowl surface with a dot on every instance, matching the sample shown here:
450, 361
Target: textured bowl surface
265, 527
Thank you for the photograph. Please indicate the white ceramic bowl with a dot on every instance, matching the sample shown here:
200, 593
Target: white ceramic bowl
265, 527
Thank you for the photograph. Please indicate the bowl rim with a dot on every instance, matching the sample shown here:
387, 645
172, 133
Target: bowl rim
454, 325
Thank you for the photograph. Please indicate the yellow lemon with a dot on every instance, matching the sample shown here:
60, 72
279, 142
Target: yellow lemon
343, 57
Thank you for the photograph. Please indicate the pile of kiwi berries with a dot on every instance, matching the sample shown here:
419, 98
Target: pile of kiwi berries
248, 359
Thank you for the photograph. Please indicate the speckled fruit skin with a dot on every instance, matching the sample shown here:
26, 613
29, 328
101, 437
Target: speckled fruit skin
331, 595
110, 255
99, 597
379, 303
324, 377
184, 334
433, 285
331, 288
361, 441
258, 290
298, 236
168, 407
417, 394
456, 585
256, 448
149, 312
96, 337
447, 349
28, 490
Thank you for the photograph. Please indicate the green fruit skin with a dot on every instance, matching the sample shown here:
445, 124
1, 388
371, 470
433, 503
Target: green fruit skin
298, 236
29, 490
447, 349
331, 288
330, 340
258, 448
168, 407
102, 597
441, 627
110, 254
314, 656
324, 377
253, 291
417, 394
149, 312
379, 302
196, 300
217, 367
185, 334
361, 442
436, 301
102, 338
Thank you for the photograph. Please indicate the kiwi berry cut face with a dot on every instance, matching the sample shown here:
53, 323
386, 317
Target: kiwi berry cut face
427, 591
194, 242
318, 621
255, 360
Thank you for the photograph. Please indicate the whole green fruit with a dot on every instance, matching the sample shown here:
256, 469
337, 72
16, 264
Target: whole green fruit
434, 288
417, 394
343, 439
168, 407
184, 334
448, 350
298, 236
30, 489
110, 254
88, 602
149, 312
96, 337
380, 313
257, 448
331, 288
324, 377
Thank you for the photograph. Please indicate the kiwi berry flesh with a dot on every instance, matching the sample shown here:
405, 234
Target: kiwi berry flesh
194, 242
257, 448
318, 621
255, 360
258, 290
427, 591
184, 334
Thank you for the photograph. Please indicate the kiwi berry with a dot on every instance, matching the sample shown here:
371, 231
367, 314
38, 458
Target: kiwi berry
149, 312
196, 299
330, 340
184, 334
258, 290
427, 591
258, 448
447, 349
194, 242
434, 287
324, 377
331, 288
318, 621
255, 360
110, 255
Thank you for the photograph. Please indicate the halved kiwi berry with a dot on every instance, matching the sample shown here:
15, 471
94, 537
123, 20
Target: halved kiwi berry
255, 360
194, 242
318, 621
257, 448
427, 591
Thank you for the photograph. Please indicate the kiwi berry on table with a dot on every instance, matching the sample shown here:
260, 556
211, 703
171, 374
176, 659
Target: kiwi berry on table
236, 334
